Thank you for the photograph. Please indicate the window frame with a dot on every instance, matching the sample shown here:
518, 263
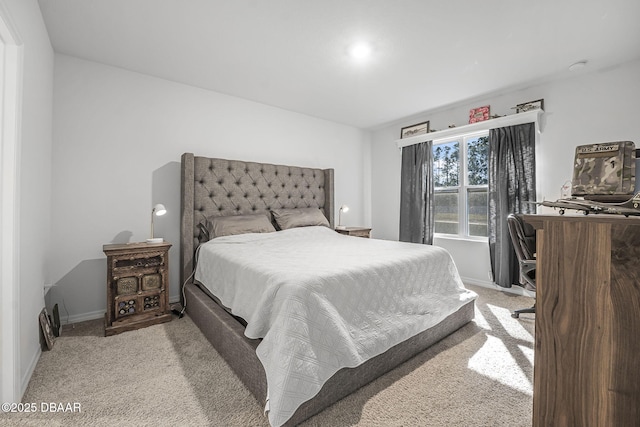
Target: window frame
463, 188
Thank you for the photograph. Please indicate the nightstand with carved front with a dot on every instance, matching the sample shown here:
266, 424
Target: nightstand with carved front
137, 286
355, 231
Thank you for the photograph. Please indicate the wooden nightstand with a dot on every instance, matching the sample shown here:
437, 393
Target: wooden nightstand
355, 231
137, 286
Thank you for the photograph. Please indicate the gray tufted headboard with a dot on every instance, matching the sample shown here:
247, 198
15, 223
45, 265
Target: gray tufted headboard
219, 187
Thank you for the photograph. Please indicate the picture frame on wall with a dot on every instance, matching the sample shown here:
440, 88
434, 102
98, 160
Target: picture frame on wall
538, 104
414, 130
479, 114
47, 331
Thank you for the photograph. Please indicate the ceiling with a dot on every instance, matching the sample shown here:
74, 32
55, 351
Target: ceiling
293, 54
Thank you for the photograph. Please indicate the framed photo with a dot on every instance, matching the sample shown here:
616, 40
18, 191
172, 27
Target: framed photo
413, 130
531, 105
45, 326
479, 114
57, 328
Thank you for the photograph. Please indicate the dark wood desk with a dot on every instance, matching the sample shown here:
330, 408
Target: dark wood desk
587, 336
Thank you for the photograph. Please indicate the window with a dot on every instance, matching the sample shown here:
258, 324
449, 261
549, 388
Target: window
460, 180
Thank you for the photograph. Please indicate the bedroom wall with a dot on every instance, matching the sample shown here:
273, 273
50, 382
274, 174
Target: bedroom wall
591, 107
34, 176
118, 138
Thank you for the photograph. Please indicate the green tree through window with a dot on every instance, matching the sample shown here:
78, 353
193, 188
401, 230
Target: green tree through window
446, 164
478, 153
460, 169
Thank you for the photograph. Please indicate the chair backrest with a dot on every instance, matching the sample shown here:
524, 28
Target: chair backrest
523, 237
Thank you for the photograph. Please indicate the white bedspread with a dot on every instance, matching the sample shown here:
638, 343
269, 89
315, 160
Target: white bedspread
322, 301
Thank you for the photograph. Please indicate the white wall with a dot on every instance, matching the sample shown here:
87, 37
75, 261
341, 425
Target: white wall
34, 176
594, 107
118, 138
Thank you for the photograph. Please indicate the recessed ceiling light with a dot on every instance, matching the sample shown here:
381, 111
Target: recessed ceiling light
577, 65
360, 51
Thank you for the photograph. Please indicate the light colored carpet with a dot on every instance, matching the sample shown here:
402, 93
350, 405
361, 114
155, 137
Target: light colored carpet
169, 375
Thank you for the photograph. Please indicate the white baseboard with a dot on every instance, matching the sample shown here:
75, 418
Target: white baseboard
82, 317
93, 315
27, 376
477, 282
518, 290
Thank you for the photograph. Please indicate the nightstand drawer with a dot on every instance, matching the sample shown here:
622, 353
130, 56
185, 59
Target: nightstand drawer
137, 262
146, 281
132, 305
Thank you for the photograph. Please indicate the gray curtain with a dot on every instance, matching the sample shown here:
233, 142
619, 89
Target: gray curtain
416, 194
512, 185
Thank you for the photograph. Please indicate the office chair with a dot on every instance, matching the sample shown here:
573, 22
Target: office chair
523, 237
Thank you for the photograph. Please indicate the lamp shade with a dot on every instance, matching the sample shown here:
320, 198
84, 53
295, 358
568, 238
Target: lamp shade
159, 209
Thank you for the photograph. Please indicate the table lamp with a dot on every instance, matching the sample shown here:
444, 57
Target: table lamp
158, 210
343, 208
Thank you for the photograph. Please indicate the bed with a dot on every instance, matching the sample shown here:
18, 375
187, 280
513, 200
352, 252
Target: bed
227, 189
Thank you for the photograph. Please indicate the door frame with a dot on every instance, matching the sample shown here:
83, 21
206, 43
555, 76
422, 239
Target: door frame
11, 63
